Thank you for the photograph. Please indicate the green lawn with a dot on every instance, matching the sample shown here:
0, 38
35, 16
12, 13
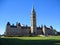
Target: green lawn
50, 40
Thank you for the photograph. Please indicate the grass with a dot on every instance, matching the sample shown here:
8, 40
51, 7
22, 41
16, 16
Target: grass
50, 40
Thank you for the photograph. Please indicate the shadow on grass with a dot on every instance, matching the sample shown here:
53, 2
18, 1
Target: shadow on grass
11, 41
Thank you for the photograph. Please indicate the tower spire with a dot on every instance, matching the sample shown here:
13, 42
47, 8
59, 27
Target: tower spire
33, 22
33, 10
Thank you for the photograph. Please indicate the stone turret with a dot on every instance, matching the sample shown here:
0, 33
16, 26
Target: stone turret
7, 28
54, 32
8, 25
44, 30
18, 25
51, 27
18, 28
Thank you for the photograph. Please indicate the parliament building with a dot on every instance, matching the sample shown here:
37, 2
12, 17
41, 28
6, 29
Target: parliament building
19, 30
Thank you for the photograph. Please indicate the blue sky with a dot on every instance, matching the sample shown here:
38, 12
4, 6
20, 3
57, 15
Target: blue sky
47, 12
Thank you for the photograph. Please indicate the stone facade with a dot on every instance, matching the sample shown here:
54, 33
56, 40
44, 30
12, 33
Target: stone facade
18, 30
